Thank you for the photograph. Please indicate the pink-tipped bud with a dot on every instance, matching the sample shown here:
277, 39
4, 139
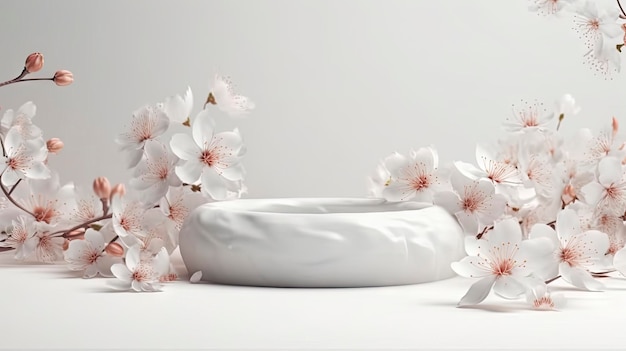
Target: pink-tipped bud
54, 145
78, 234
569, 194
118, 189
614, 126
66, 245
102, 187
115, 250
34, 62
63, 78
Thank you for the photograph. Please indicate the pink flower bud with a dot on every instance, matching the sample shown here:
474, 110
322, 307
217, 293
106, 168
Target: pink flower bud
34, 62
63, 78
118, 189
614, 126
66, 245
54, 145
115, 250
102, 187
568, 195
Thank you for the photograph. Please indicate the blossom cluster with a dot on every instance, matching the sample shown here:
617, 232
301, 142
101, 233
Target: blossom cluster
536, 206
127, 231
600, 25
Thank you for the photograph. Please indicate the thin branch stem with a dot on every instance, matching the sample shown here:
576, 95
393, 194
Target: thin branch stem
83, 225
23, 80
15, 186
110, 242
16, 79
8, 196
553, 279
4, 151
621, 8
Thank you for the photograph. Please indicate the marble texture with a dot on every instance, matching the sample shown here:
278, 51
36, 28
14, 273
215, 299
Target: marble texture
313, 242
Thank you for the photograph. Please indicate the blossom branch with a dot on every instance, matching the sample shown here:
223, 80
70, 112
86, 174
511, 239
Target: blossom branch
623, 14
553, 279
82, 225
15, 186
16, 79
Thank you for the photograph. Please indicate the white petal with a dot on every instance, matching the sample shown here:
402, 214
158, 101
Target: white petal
619, 261
468, 171
10, 177
90, 271
229, 140
190, 171
195, 277
233, 172
470, 267
592, 192
203, 128
468, 222
105, 264
395, 162
213, 185
448, 200
567, 224
478, 291
541, 230
37, 170
505, 232
609, 171
184, 147
579, 278
508, 287
178, 108
95, 239
133, 157
397, 191
539, 255
133, 257
120, 271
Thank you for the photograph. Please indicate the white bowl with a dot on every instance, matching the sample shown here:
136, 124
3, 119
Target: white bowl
320, 242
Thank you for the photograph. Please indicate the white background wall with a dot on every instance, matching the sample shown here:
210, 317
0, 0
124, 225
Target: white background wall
338, 84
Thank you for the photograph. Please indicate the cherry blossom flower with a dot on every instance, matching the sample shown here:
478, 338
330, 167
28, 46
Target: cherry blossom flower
140, 274
576, 251
500, 172
147, 123
20, 236
412, 178
178, 203
25, 158
223, 95
178, 108
21, 121
502, 261
155, 172
88, 256
473, 202
608, 193
212, 158
592, 25
530, 116
47, 200
127, 214
537, 171
541, 299
85, 207
549, 7
49, 248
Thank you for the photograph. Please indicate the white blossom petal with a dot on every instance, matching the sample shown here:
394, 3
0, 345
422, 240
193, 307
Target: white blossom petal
478, 291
